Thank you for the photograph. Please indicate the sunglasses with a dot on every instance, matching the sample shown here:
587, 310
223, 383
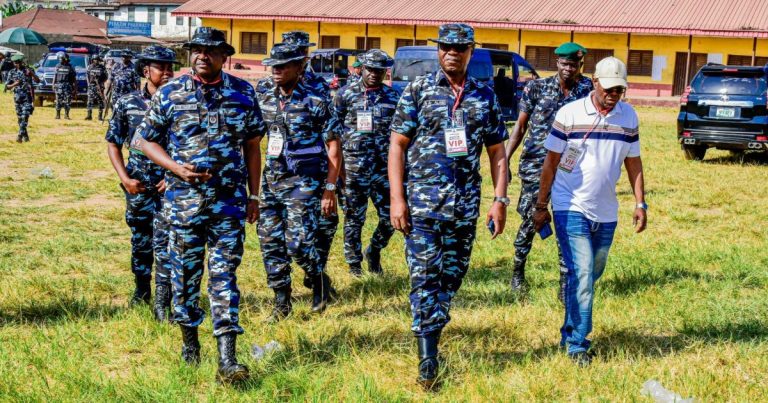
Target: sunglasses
461, 48
615, 90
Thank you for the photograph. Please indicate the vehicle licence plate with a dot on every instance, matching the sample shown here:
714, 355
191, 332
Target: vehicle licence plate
725, 112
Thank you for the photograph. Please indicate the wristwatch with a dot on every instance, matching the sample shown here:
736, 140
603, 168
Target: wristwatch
642, 206
502, 200
253, 197
330, 186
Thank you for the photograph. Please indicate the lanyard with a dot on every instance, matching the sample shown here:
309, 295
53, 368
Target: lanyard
598, 118
458, 96
365, 96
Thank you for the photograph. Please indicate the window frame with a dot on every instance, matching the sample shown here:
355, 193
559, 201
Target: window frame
643, 70
254, 49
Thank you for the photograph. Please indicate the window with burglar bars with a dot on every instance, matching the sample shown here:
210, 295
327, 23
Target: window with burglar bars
330, 41
254, 43
593, 56
373, 43
542, 57
640, 63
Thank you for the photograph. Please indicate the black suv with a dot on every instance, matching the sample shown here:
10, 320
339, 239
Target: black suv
725, 108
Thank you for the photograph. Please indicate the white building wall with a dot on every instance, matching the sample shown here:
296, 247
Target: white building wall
171, 28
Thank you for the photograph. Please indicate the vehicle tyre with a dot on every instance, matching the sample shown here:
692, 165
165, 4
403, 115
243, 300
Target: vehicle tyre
38, 102
695, 153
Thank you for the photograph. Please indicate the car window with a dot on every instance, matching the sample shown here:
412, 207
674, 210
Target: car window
409, 69
729, 83
75, 60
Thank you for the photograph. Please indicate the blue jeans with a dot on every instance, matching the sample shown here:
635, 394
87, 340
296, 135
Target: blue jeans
585, 244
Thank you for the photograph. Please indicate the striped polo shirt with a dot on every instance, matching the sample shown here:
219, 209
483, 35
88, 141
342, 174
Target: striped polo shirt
590, 188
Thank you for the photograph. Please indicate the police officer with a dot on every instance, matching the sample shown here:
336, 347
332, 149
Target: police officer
213, 126
21, 80
540, 102
143, 183
442, 122
299, 180
356, 73
364, 112
123, 77
64, 84
96, 75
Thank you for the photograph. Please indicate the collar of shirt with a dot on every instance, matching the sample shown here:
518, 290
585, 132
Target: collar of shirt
222, 80
298, 94
590, 109
442, 79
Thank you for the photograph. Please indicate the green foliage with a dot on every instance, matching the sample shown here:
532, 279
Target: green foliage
14, 7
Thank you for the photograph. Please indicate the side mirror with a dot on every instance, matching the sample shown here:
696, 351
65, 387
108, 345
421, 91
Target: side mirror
36, 65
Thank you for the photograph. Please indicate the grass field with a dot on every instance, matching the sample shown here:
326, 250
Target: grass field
684, 303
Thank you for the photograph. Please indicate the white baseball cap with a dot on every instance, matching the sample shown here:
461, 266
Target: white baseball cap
611, 72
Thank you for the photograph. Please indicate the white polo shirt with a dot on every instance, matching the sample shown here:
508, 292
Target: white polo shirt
590, 187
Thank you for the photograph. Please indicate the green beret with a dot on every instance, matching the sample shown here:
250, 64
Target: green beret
571, 50
357, 64
17, 58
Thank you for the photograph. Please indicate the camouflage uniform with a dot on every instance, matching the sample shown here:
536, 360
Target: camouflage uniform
22, 97
66, 82
291, 188
97, 76
124, 78
365, 163
143, 211
443, 193
206, 126
541, 100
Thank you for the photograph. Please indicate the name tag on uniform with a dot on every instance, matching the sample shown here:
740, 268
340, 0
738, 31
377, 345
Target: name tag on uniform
364, 121
185, 107
213, 122
136, 112
570, 157
455, 142
275, 144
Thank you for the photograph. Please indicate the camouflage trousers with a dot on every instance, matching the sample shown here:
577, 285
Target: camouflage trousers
145, 216
214, 218
24, 109
359, 187
95, 98
63, 96
437, 253
529, 193
288, 226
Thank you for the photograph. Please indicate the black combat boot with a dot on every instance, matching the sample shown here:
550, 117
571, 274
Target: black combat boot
356, 269
190, 349
66, 114
162, 302
518, 283
428, 363
89, 114
20, 137
307, 281
283, 306
373, 257
58, 113
143, 292
101, 115
321, 292
230, 371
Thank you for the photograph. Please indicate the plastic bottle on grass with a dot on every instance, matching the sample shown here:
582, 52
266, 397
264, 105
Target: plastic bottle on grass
653, 389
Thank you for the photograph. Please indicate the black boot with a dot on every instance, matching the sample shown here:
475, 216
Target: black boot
101, 115
307, 281
428, 363
373, 257
66, 114
229, 369
162, 302
563, 284
518, 282
356, 269
190, 350
58, 113
283, 305
321, 292
89, 115
143, 292
19, 138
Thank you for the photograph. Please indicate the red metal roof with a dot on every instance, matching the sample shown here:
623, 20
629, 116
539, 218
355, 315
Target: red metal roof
85, 27
734, 18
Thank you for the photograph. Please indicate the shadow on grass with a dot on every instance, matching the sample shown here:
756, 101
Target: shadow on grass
637, 280
739, 159
55, 311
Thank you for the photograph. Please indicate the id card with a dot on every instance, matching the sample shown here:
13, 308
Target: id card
570, 157
275, 144
364, 121
455, 142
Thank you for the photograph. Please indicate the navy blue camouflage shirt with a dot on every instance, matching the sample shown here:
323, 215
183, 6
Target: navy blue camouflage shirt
541, 100
437, 185
124, 79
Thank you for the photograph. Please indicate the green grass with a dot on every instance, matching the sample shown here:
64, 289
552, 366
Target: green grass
684, 303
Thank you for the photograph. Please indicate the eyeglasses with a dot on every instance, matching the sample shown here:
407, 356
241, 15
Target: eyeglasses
615, 90
461, 48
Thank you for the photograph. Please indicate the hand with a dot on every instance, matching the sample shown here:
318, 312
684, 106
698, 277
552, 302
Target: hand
187, 173
540, 219
252, 211
497, 213
398, 213
133, 186
160, 186
639, 220
328, 203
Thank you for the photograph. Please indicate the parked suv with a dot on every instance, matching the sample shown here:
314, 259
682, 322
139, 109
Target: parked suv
79, 57
724, 108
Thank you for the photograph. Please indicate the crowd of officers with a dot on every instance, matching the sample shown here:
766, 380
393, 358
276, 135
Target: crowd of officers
194, 175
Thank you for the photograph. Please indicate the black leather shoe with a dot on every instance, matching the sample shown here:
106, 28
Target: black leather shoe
563, 285
143, 292
89, 115
583, 359
373, 258
283, 305
428, 364
101, 115
356, 270
230, 371
518, 283
162, 303
321, 292
190, 349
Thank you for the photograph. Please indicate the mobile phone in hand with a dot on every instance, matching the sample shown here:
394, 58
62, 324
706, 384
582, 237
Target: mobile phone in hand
545, 231
492, 227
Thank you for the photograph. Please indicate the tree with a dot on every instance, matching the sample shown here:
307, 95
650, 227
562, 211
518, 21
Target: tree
14, 7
